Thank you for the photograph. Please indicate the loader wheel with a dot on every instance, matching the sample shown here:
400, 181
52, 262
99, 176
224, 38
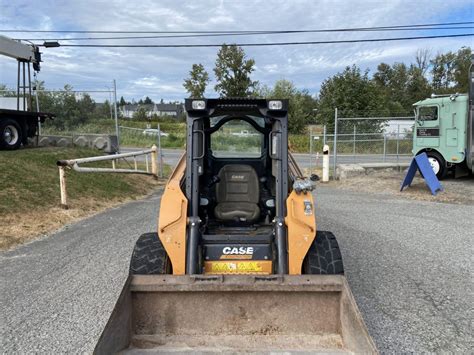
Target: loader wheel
324, 256
149, 256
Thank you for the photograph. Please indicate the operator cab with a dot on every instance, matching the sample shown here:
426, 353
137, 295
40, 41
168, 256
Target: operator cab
236, 184
238, 179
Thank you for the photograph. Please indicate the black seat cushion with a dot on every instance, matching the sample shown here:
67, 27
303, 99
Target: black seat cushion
237, 194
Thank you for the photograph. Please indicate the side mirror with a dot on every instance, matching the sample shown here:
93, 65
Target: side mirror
314, 177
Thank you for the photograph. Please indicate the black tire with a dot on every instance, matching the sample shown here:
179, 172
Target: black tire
11, 134
443, 170
324, 256
149, 256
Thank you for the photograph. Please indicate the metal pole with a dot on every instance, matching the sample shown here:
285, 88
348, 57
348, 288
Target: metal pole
335, 143
38, 110
354, 144
110, 105
398, 142
324, 135
310, 150
24, 87
30, 102
160, 152
117, 132
18, 88
384, 146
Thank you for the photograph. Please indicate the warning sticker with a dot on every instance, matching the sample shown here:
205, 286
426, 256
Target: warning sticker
238, 267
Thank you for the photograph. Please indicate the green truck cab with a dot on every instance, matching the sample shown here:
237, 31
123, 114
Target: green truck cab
444, 130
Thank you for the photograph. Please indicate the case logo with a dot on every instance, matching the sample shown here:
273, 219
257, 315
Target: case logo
237, 251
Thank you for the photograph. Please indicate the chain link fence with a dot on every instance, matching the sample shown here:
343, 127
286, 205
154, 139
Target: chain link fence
389, 141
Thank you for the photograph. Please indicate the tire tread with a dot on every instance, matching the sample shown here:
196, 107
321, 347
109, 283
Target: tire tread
324, 256
149, 256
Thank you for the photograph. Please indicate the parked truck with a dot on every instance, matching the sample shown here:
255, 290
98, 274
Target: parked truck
18, 120
444, 130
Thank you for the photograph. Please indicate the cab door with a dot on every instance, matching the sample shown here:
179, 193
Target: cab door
427, 127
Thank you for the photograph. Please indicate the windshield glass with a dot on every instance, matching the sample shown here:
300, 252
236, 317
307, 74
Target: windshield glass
428, 113
236, 139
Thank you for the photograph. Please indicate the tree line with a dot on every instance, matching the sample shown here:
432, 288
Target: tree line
390, 91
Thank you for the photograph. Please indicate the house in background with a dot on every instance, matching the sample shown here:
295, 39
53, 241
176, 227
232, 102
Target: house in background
161, 109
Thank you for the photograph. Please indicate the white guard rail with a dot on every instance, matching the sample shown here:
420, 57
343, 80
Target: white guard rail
74, 164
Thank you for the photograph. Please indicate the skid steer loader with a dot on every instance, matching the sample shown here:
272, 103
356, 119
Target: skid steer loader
237, 263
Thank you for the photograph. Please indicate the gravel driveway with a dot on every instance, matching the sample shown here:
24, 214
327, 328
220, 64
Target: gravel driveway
409, 264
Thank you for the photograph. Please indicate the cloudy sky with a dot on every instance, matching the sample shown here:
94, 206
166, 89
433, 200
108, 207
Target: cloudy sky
159, 72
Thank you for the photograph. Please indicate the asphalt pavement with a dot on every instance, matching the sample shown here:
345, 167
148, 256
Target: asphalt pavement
409, 264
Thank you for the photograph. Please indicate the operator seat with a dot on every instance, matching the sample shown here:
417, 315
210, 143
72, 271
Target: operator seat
237, 194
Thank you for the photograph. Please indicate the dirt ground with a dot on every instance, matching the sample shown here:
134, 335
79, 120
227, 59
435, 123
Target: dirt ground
26, 226
456, 191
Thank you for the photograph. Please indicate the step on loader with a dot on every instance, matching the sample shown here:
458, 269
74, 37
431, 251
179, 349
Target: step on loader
237, 263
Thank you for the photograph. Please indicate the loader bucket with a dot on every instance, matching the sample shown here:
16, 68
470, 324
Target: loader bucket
238, 313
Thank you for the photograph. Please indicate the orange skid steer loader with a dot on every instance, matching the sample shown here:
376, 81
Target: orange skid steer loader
237, 263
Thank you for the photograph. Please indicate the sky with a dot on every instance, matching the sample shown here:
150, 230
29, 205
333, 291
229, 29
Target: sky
159, 72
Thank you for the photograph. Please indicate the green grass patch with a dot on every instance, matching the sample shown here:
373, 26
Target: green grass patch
30, 195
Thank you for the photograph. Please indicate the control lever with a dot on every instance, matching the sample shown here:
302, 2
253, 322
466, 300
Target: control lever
214, 180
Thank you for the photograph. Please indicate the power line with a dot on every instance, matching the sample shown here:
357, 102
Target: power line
242, 34
263, 44
236, 31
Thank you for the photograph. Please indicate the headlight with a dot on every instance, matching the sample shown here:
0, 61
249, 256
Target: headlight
275, 105
199, 105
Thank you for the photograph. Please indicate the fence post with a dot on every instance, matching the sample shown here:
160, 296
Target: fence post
160, 152
354, 144
62, 186
398, 142
335, 143
384, 146
154, 161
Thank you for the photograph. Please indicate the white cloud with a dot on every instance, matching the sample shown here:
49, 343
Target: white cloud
159, 72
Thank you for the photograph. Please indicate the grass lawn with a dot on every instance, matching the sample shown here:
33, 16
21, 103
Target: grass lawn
29, 191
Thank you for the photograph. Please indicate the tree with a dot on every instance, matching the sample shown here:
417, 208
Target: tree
122, 101
148, 101
141, 114
301, 104
401, 86
417, 87
233, 71
355, 95
423, 60
461, 71
443, 69
104, 110
198, 79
